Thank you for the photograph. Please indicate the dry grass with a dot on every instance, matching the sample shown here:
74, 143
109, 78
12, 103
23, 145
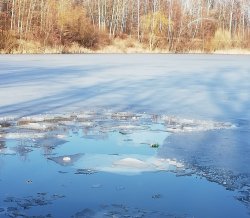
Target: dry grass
233, 51
75, 49
27, 47
33, 47
8, 42
221, 40
119, 46
128, 46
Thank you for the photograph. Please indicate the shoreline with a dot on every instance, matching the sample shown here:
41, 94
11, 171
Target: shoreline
131, 53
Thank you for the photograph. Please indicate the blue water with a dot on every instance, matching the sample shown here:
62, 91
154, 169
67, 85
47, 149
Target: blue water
214, 180
179, 195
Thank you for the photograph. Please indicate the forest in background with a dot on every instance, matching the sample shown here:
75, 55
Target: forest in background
75, 26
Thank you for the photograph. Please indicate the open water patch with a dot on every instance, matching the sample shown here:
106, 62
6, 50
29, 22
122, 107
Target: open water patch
104, 157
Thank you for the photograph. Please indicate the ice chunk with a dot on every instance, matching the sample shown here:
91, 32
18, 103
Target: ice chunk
5, 124
123, 116
36, 126
175, 124
27, 135
66, 159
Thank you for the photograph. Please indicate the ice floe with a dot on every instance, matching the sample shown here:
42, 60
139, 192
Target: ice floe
118, 164
67, 160
176, 124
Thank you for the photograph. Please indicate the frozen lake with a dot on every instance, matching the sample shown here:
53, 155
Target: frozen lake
125, 136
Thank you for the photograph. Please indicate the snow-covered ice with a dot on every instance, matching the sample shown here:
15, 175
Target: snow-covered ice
195, 86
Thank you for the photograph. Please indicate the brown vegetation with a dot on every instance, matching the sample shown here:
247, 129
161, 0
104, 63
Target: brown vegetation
78, 26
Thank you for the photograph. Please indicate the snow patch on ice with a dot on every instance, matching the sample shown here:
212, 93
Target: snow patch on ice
130, 163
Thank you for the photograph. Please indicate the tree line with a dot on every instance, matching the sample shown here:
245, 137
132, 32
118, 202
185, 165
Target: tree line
174, 25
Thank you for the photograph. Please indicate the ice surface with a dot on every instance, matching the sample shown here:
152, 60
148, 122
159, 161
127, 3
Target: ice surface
195, 86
